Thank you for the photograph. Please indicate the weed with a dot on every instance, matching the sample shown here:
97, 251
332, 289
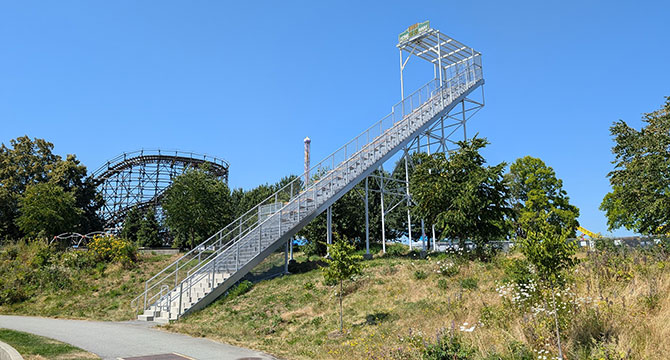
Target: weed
448, 347
443, 284
469, 283
420, 275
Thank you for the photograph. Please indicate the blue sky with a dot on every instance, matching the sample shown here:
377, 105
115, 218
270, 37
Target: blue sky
247, 81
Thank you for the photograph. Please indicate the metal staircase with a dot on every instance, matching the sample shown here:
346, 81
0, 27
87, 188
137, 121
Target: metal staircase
206, 272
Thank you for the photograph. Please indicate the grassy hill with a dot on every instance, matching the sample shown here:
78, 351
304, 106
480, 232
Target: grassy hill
617, 307
35, 280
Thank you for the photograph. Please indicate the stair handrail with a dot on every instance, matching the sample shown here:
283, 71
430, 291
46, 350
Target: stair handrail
193, 279
406, 106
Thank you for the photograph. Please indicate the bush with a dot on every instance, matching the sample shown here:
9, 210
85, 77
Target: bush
469, 283
107, 248
446, 268
420, 275
448, 348
396, 250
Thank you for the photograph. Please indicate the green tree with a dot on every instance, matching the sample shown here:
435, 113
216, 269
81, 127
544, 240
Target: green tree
343, 265
640, 199
131, 223
31, 161
196, 205
47, 209
148, 233
466, 199
536, 190
547, 248
71, 175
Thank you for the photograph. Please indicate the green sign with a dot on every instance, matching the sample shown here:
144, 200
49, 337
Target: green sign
414, 30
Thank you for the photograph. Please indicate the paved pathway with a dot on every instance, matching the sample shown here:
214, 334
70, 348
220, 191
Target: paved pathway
113, 340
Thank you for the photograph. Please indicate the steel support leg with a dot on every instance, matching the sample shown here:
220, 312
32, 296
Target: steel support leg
381, 194
367, 223
329, 229
409, 217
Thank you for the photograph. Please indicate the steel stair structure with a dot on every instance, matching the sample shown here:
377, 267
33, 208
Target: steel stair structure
211, 268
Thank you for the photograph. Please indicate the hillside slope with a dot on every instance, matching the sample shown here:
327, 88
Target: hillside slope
618, 307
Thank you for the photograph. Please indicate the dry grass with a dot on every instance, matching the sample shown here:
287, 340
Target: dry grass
389, 309
95, 294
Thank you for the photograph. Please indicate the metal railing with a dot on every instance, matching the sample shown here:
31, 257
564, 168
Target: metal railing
299, 201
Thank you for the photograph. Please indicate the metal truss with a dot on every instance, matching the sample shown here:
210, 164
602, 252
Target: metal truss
139, 179
449, 59
213, 266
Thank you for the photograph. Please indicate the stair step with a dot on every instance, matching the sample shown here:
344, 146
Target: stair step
253, 240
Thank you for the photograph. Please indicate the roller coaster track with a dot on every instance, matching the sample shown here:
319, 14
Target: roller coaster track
211, 268
139, 179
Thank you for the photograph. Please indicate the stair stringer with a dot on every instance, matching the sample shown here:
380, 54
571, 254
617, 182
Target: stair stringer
245, 269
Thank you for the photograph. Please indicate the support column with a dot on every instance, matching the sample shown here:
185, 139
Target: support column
329, 229
423, 236
381, 194
465, 134
434, 242
409, 217
286, 257
291, 249
367, 223
402, 85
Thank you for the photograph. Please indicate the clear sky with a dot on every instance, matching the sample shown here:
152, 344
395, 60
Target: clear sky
248, 80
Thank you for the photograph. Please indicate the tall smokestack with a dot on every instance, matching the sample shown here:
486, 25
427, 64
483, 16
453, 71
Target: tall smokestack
307, 142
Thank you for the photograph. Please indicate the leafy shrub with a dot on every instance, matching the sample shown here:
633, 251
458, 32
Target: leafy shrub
77, 260
396, 250
518, 271
448, 348
469, 283
106, 248
446, 268
494, 316
420, 275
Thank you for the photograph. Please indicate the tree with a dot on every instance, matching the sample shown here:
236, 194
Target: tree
47, 209
131, 223
343, 265
28, 162
640, 199
148, 233
547, 248
72, 177
536, 190
464, 198
196, 205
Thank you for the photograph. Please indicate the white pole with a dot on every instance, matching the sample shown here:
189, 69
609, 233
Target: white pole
402, 87
381, 187
329, 226
367, 221
409, 217
423, 236
439, 56
307, 150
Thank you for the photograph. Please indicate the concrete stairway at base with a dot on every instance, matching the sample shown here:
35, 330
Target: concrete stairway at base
211, 268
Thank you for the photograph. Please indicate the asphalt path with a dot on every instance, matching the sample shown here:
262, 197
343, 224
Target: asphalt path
115, 340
